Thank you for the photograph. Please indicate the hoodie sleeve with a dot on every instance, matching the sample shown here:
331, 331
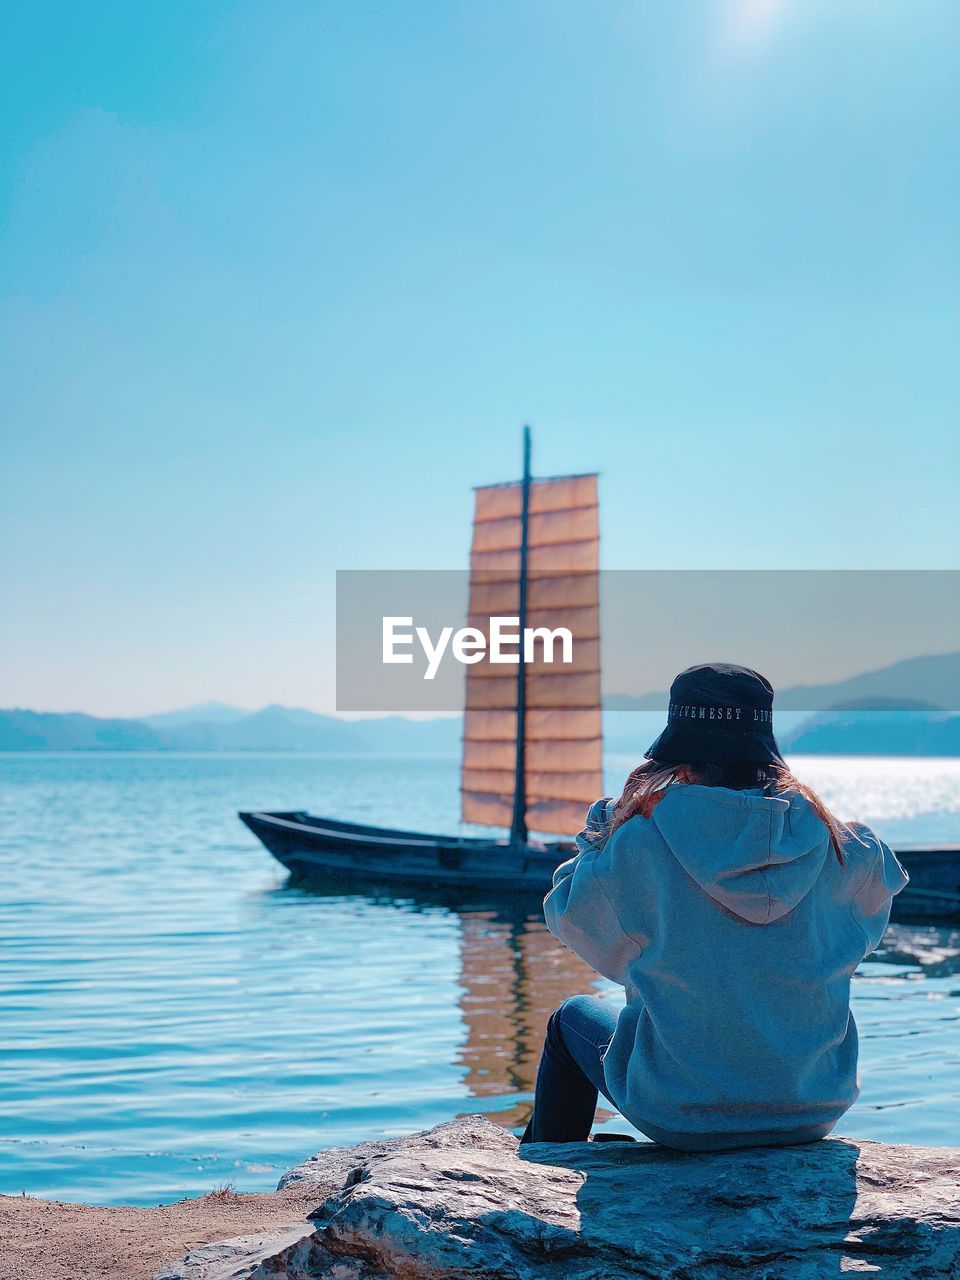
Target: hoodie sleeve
579, 908
884, 879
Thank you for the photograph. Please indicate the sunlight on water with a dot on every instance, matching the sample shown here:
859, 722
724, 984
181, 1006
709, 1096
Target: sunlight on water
909, 800
889, 793
177, 1017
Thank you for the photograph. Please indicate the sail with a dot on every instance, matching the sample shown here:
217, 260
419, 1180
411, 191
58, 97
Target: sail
561, 742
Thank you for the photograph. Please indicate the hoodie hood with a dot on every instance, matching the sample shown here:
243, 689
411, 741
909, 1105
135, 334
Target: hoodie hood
757, 855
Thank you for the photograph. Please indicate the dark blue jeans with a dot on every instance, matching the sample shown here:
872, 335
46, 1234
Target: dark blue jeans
571, 1071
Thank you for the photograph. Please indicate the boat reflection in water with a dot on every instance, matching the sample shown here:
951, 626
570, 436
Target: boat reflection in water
918, 951
513, 973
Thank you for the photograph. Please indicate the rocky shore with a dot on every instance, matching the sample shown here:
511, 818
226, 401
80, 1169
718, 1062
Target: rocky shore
461, 1200
52, 1240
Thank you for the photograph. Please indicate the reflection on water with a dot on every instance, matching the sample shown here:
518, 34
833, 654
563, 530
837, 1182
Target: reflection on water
513, 973
906, 998
176, 1015
918, 952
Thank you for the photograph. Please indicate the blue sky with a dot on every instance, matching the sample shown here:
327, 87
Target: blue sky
280, 283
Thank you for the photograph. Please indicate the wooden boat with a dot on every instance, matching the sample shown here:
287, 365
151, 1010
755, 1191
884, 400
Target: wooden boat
532, 734
311, 847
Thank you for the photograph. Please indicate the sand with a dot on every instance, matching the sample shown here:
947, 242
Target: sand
49, 1240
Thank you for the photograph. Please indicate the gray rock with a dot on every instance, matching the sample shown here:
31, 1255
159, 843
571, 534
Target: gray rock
236, 1259
461, 1201
329, 1168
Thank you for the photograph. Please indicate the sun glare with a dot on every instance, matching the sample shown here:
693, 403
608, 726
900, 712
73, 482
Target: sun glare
751, 21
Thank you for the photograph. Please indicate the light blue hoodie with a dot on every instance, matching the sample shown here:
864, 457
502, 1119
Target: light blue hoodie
735, 931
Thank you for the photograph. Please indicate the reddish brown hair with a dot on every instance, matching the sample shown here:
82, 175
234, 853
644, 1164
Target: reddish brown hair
647, 784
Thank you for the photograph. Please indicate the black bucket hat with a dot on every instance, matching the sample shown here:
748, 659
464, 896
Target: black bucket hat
719, 714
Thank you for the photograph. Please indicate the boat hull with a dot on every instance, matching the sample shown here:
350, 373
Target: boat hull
314, 848
933, 894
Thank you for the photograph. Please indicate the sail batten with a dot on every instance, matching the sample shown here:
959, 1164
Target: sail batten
561, 733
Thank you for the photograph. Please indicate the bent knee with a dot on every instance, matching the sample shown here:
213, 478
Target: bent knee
579, 1004
574, 1007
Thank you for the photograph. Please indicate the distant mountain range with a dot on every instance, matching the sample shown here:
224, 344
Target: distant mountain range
933, 679
273, 728
908, 708
199, 713
904, 709
864, 728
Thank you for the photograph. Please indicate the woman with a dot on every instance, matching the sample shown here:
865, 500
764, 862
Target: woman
734, 908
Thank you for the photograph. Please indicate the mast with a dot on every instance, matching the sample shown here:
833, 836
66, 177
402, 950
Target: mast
518, 827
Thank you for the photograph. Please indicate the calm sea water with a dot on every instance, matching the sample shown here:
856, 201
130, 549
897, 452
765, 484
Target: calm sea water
176, 1017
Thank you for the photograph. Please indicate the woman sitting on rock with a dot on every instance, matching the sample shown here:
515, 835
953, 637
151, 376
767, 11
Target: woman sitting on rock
734, 908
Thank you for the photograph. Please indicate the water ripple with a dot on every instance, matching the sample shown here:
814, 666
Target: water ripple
177, 1017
